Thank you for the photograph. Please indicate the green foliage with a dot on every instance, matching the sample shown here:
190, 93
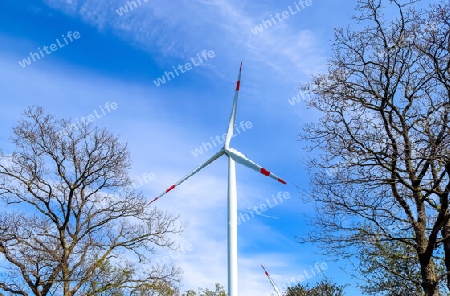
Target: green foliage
109, 280
400, 259
324, 287
393, 268
219, 291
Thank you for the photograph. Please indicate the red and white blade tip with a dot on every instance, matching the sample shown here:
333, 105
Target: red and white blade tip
168, 189
264, 270
238, 82
267, 173
242, 159
193, 172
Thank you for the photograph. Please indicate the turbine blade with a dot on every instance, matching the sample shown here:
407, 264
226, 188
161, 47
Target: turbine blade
233, 110
214, 157
242, 159
271, 281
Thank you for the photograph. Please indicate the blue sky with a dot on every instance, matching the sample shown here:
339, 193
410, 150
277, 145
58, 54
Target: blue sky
116, 60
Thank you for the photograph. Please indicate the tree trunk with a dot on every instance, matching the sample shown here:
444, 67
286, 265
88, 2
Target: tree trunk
65, 268
66, 284
446, 233
429, 279
425, 252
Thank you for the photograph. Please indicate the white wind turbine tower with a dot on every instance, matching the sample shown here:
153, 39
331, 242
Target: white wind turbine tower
233, 156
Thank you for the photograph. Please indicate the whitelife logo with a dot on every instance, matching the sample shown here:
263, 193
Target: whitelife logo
84, 120
124, 9
207, 146
281, 196
306, 275
53, 47
304, 97
265, 24
188, 66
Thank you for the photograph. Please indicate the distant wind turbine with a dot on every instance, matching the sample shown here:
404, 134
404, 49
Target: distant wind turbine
271, 281
233, 156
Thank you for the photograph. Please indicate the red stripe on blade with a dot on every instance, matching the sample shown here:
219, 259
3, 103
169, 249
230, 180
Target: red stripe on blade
238, 84
266, 273
171, 187
281, 181
265, 172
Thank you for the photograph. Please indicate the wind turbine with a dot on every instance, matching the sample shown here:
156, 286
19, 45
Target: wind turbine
271, 281
233, 156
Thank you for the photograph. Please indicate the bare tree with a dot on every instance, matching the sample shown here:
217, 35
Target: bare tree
71, 222
385, 136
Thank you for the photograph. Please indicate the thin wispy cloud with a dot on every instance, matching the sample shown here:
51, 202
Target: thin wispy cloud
178, 30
